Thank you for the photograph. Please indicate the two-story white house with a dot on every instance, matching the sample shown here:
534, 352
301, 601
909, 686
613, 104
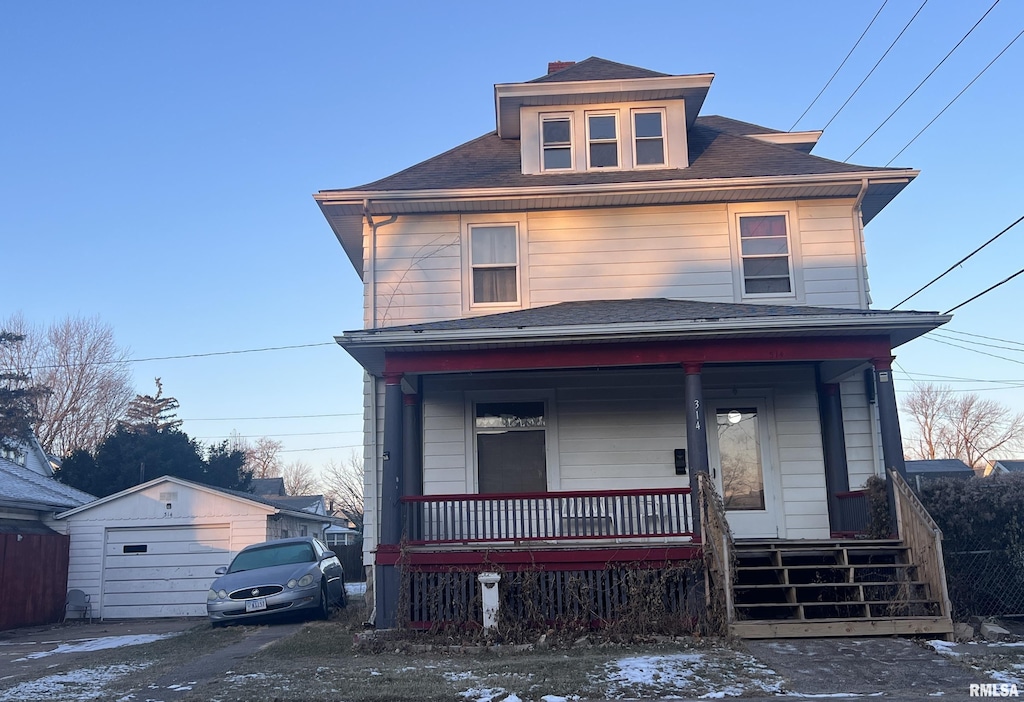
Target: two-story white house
572, 318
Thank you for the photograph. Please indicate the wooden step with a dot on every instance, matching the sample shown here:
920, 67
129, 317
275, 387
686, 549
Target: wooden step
875, 626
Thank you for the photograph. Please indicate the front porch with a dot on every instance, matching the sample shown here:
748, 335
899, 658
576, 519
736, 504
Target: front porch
593, 558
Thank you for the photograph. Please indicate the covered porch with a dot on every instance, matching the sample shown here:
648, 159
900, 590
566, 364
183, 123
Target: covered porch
566, 448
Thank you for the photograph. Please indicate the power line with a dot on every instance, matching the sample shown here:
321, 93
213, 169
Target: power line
829, 82
930, 74
968, 348
286, 416
271, 436
857, 89
187, 355
957, 97
982, 336
986, 291
943, 274
322, 448
977, 343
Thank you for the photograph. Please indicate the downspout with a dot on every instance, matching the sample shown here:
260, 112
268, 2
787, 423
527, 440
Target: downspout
862, 263
372, 284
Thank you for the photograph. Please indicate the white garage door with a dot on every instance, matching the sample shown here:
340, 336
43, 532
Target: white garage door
161, 571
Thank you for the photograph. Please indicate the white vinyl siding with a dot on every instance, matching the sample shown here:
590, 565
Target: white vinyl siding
684, 252
833, 273
619, 429
861, 433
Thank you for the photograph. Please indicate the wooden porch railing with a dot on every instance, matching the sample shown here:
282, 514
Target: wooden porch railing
922, 536
718, 549
547, 516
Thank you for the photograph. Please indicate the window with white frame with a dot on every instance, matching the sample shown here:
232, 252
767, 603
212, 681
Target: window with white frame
511, 446
649, 138
765, 254
494, 258
602, 140
556, 135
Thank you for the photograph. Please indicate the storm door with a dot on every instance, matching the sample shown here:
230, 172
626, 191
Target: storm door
741, 464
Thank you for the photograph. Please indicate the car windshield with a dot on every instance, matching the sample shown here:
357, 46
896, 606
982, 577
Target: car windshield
269, 556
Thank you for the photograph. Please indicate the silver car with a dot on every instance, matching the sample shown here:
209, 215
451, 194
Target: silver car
276, 577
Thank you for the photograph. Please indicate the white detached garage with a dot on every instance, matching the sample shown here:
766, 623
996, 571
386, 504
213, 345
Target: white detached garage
151, 550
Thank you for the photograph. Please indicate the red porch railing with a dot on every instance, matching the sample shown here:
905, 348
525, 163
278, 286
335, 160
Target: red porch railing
547, 516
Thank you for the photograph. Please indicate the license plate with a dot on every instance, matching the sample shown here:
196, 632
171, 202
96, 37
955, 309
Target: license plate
257, 605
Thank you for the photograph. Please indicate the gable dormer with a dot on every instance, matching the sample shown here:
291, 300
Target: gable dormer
598, 115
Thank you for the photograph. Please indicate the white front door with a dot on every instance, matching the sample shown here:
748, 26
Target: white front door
741, 464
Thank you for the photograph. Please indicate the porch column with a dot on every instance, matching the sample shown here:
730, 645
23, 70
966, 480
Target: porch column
387, 581
892, 440
837, 475
696, 438
412, 449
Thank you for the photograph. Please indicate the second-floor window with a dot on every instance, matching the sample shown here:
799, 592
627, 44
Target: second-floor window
603, 140
765, 254
495, 262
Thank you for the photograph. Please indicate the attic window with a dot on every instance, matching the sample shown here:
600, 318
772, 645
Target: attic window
557, 136
602, 140
649, 137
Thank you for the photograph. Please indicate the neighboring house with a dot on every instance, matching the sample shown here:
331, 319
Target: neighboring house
151, 550
267, 487
336, 535
918, 471
1003, 467
33, 557
568, 320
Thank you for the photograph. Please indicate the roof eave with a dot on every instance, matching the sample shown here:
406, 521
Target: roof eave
368, 346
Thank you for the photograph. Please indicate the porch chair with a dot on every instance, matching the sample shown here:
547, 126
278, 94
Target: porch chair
78, 601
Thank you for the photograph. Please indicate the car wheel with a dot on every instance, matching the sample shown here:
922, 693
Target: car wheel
324, 610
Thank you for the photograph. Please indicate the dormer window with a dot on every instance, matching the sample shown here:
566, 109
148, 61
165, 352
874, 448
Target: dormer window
557, 135
602, 140
649, 137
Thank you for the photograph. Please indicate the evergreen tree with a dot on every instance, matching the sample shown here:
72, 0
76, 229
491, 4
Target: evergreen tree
152, 413
17, 400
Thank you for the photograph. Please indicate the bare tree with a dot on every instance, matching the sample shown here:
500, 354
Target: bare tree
343, 488
87, 372
299, 479
262, 457
964, 426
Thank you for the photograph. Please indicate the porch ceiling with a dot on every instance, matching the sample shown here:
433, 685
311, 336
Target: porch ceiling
658, 332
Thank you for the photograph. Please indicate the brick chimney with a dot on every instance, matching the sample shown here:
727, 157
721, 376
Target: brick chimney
556, 66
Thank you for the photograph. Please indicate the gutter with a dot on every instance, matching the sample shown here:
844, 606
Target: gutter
634, 330
361, 197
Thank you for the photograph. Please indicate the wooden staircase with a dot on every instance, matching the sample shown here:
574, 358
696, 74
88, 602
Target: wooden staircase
831, 588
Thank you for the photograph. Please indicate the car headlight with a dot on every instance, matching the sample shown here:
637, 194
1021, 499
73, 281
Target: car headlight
211, 595
304, 581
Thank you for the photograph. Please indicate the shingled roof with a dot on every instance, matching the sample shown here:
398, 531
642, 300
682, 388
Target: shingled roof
595, 68
716, 150
646, 310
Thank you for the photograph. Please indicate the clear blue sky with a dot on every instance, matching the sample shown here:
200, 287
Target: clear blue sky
157, 162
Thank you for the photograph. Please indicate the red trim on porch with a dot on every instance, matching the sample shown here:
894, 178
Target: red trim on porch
638, 354
588, 558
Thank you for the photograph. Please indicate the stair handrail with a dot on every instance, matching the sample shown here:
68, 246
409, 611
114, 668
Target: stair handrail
919, 532
718, 548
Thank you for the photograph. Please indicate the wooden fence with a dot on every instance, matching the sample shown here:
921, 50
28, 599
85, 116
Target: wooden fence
33, 579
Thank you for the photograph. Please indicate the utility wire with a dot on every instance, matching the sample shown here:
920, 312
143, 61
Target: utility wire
923, 81
985, 291
857, 89
943, 274
977, 343
981, 336
957, 97
187, 355
968, 348
829, 82
286, 416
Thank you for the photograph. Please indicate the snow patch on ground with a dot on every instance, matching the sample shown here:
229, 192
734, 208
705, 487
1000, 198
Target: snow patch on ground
104, 642
723, 674
84, 684
355, 588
